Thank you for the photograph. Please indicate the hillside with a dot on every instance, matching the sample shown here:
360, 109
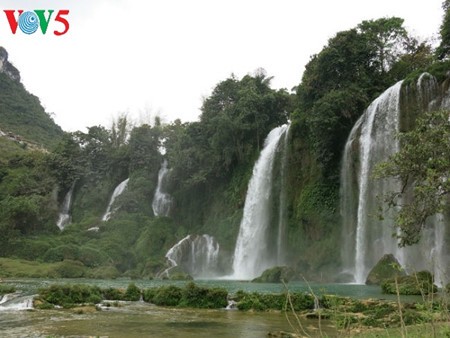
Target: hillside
21, 113
255, 183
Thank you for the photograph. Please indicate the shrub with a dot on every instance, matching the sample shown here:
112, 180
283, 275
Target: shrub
91, 257
263, 302
70, 269
167, 296
199, 297
420, 283
133, 293
70, 295
31, 249
113, 294
62, 252
189, 296
149, 294
4, 289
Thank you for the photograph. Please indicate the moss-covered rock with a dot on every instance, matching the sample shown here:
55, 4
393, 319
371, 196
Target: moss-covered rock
177, 273
276, 274
387, 267
417, 284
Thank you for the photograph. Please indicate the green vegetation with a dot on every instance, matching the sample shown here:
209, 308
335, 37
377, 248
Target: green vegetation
21, 113
190, 295
265, 302
5, 289
387, 268
420, 283
210, 163
69, 295
422, 163
346, 314
276, 274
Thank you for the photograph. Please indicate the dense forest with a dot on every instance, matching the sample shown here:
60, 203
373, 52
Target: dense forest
210, 163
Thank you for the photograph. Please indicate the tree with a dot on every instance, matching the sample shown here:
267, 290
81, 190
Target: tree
423, 166
443, 51
386, 38
339, 83
239, 114
120, 131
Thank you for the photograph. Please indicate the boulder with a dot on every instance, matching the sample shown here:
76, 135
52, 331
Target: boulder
387, 267
275, 275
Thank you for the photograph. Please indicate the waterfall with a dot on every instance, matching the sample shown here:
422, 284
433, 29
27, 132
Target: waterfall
372, 140
14, 302
282, 214
252, 253
161, 200
117, 192
377, 129
64, 216
195, 255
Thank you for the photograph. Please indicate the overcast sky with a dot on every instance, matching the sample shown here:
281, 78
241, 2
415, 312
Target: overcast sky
146, 56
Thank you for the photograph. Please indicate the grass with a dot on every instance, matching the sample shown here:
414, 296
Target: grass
9, 148
28, 269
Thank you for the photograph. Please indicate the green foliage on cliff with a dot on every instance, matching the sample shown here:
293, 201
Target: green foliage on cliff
422, 164
339, 82
22, 114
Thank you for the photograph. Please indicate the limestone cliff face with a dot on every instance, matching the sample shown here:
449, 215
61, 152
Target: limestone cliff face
6, 67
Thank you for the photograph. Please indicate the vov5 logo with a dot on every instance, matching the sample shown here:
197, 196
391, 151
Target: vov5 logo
29, 21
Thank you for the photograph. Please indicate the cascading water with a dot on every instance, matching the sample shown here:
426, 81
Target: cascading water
116, 193
64, 216
13, 302
377, 130
252, 255
162, 201
196, 255
372, 140
282, 215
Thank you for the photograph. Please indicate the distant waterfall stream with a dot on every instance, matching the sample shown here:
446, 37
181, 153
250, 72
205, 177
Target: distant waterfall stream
64, 215
162, 201
254, 252
195, 255
116, 193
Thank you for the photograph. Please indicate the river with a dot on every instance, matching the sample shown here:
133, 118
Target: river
139, 319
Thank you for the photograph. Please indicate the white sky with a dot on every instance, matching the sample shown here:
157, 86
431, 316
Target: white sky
165, 56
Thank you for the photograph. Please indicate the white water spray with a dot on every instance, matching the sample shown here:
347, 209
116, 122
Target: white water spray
162, 201
64, 215
251, 255
117, 192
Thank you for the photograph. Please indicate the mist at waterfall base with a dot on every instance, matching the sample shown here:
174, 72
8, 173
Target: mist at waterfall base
365, 237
